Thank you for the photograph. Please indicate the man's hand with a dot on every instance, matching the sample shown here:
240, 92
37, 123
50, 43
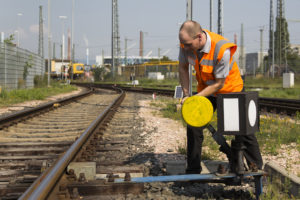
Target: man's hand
183, 99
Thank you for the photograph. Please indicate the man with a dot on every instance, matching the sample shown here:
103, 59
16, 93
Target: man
216, 72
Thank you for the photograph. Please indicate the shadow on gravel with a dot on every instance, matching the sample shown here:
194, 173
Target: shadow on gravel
187, 190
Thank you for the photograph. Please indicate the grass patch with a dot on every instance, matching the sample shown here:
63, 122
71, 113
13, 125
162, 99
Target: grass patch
21, 95
182, 148
261, 81
168, 108
275, 87
286, 93
275, 189
275, 132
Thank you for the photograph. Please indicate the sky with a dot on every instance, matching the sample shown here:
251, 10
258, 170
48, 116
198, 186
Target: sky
158, 19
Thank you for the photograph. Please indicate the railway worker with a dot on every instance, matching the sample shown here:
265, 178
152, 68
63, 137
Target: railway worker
216, 72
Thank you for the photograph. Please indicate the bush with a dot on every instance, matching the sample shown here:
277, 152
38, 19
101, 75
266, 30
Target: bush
40, 81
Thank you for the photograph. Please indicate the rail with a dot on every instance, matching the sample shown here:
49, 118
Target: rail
277, 105
41, 188
18, 116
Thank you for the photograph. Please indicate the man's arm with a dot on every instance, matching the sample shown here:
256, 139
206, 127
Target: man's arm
212, 89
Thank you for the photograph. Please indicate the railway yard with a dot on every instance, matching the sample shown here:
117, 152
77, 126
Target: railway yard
88, 148
128, 100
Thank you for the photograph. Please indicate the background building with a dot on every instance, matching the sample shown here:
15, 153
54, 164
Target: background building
253, 62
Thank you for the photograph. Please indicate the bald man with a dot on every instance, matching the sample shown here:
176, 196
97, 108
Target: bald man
216, 72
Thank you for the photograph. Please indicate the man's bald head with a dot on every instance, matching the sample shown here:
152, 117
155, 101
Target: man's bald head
190, 27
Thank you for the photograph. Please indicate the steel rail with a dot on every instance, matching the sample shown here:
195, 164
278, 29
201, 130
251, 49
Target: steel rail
171, 93
17, 116
280, 105
42, 187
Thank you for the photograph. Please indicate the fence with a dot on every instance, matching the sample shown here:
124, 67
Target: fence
18, 67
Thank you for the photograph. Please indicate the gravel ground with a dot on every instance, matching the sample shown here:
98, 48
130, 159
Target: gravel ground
168, 135
161, 137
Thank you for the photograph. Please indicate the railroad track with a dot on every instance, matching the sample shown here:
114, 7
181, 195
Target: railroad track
281, 106
32, 143
271, 105
50, 156
105, 151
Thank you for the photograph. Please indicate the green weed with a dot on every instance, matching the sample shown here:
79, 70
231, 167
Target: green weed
182, 148
21, 95
275, 132
275, 189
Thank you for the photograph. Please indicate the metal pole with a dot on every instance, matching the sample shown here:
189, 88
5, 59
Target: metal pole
159, 55
72, 31
61, 54
220, 17
5, 67
49, 42
54, 53
271, 30
189, 10
254, 69
189, 17
261, 50
273, 49
242, 54
63, 45
112, 42
211, 16
125, 51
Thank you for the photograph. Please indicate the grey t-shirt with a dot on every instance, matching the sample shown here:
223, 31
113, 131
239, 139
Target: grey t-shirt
221, 70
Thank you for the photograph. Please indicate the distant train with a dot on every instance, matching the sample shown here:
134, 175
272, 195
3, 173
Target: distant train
76, 70
67, 69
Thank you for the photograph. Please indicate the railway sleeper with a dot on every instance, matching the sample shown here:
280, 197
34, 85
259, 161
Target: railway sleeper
97, 187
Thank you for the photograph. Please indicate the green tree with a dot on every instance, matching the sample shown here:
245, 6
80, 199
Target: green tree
99, 73
293, 59
27, 66
10, 40
164, 59
282, 39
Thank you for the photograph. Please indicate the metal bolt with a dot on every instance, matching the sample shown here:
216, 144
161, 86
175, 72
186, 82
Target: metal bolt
111, 177
221, 169
82, 177
71, 175
127, 176
71, 172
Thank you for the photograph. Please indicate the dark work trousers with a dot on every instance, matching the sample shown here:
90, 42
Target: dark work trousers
195, 140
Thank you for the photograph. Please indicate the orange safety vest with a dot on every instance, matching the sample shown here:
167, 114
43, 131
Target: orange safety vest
204, 68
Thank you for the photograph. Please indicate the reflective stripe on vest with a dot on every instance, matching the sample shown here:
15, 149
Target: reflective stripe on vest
218, 48
205, 67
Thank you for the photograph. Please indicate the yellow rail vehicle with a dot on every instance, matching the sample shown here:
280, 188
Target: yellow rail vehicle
77, 70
